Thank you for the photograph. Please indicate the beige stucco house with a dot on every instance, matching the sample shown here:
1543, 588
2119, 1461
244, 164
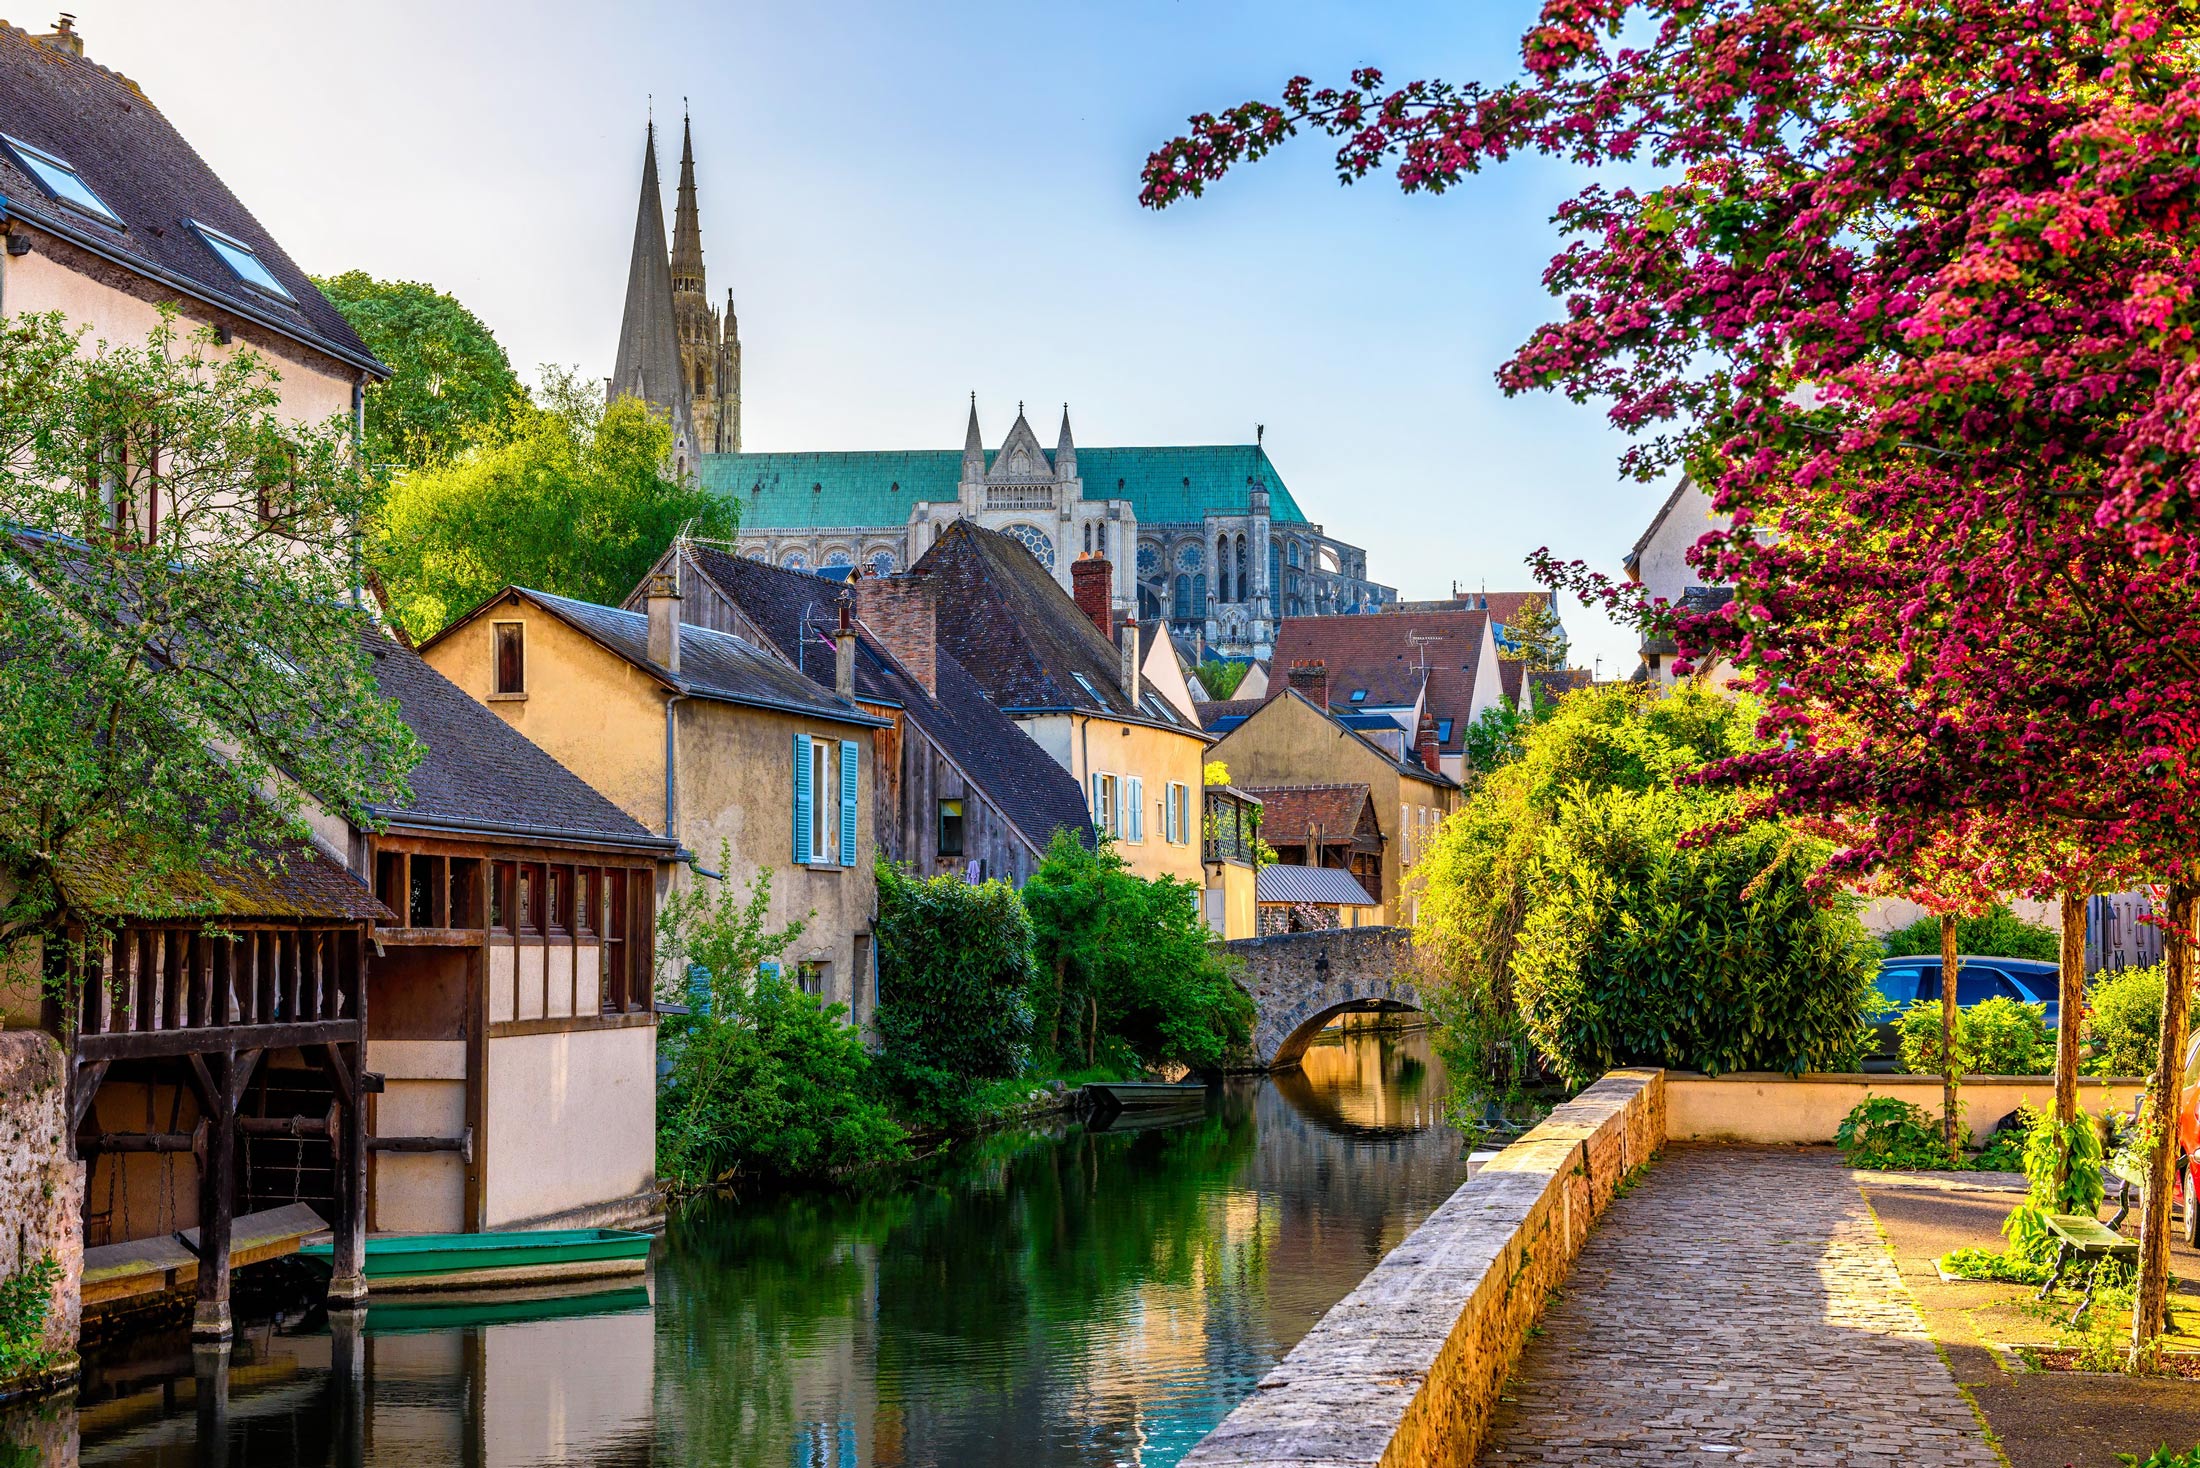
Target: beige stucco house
706, 738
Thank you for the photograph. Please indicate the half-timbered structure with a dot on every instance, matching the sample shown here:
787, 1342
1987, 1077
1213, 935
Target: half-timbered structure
961, 789
512, 1017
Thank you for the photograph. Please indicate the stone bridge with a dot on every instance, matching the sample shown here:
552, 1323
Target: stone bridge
1302, 981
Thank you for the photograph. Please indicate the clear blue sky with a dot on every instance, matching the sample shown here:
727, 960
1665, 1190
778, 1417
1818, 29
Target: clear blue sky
915, 201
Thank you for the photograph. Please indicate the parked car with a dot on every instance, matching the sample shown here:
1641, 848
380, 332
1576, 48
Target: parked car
2186, 1183
1902, 981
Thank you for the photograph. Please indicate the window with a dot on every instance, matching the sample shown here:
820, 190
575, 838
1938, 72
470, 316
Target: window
951, 828
809, 976
1103, 804
511, 657
558, 898
243, 261
59, 178
823, 828
1176, 813
1359, 695
1090, 691
530, 910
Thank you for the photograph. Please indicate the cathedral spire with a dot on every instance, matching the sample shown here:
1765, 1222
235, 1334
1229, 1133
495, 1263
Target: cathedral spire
648, 364
1065, 452
687, 224
973, 471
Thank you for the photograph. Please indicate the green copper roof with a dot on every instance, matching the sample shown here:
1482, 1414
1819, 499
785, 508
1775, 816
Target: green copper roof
823, 490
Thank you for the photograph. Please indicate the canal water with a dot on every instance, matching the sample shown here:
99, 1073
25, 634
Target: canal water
1045, 1295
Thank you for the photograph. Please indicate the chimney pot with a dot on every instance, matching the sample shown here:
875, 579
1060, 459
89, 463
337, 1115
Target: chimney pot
1092, 581
1430, 751
1309, 678
902, 612
663, 601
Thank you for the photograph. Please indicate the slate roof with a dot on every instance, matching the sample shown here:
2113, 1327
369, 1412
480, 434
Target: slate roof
1224, 714
1378, 653
713, 665
1405, 764
1165, 484
477, 772
1289, 813
1319, 886
133, 158
795, 609
1509, 672
1018, 634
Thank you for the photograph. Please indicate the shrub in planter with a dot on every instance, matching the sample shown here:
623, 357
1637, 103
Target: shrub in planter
1996, 1037
1997, 933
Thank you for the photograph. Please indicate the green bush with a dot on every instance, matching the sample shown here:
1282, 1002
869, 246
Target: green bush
1999, 933
1999, 1268
1889, 1133
25, 1298
1996, 1037
1640, 949
2123, 1022
2074, 1150
1221, 679
766, 1082
955, 974
1128, 964
2163, 1457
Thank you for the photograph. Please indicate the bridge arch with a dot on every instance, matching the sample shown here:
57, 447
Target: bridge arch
1302, 981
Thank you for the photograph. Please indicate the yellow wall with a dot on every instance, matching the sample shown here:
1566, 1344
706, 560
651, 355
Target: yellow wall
574, 1115
603, 719
1288, 742
313, 388
1770, 1108
1234, 891
1085, 744
424, 1095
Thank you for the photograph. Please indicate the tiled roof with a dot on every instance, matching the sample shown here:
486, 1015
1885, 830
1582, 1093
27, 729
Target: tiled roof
1318, 886
133, 158
1556, 681
1165, 485
478, 772
1019, 635
1029, 787
1380, 654
1227, 713
1404, 763
1290, 813
713, 665
1509, 671
295, 880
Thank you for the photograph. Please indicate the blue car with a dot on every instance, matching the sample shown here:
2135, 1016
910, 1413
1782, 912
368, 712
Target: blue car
1903, 981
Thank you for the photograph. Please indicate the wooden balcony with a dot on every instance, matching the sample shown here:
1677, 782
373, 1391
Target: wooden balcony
152, 990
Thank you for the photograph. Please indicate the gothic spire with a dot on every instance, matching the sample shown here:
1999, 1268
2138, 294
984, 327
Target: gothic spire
648, 364
1065, 452
973, 470
687, 224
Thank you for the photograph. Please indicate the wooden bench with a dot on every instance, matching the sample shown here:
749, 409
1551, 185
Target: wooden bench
2078, 1237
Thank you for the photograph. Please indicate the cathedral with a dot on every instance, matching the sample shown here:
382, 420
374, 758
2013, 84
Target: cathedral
1204, 537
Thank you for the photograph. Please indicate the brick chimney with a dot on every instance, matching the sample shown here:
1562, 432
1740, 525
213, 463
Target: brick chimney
902, 612
1310, 680
844, 655
1092, 583
663, 601
1426, 746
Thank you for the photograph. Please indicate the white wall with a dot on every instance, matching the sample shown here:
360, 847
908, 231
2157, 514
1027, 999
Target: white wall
571, 1120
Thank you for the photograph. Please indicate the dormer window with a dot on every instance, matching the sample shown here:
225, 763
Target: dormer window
1359, 695
244, 262
58, 177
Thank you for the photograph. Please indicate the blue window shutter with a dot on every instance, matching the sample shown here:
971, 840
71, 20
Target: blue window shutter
1099, 813
848, 758
1134, 808
802, 799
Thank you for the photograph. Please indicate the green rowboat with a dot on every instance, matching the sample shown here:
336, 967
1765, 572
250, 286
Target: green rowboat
488, 1260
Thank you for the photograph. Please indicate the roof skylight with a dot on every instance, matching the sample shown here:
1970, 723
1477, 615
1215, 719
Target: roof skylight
1359, 695
243, 261
58, 177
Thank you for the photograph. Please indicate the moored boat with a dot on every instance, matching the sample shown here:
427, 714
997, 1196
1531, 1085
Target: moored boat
397, 1262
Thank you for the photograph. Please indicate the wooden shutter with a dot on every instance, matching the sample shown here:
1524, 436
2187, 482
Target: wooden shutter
848, 768
802, 794
1134, 805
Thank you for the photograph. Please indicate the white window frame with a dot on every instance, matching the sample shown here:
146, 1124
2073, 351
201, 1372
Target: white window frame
824, 812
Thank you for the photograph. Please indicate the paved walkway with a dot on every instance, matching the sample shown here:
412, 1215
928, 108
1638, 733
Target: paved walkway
1738, 1306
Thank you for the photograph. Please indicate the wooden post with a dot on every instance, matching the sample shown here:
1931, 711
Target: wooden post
1948, 1033
2069, 1015
2149, 1300
210, 1321
347, 1286
347, 1388
210, 1365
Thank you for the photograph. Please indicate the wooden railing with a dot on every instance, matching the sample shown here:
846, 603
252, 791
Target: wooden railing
159, 989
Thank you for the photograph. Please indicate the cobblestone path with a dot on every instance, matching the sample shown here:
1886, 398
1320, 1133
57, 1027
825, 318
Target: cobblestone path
1738, 1306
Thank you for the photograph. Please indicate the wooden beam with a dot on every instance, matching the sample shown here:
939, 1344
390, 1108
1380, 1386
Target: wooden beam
347, 1286
210, 1318
216, 1040
84, 1090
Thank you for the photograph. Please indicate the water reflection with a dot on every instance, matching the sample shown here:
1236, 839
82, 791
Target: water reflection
1042, 1296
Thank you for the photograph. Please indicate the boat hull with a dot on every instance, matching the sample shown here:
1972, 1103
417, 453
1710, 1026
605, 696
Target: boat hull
400, 1262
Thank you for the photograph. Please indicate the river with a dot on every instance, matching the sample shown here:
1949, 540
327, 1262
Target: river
1043, 1295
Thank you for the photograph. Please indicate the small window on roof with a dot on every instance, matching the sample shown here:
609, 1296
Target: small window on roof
243, 261
58, 177
1086, 684
1359, 695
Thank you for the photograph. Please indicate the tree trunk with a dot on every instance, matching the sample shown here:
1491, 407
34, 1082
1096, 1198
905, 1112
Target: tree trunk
2071, 1012
1054, 1013
1948, 1034
2150, 1298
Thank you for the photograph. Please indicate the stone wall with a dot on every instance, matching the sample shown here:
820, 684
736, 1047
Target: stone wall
1758, 1107
1406, 1369
41, 1189
1297, 979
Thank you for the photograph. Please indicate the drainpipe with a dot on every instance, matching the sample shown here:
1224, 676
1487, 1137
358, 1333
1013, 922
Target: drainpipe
358, 453
672, 766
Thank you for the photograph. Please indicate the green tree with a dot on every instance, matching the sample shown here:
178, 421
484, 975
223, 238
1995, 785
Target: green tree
1494, 738
1996, 933
1221, 678
569, 496
767, 1082
1537, 638
449, 379
1136, 977
183, 664
955, 973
